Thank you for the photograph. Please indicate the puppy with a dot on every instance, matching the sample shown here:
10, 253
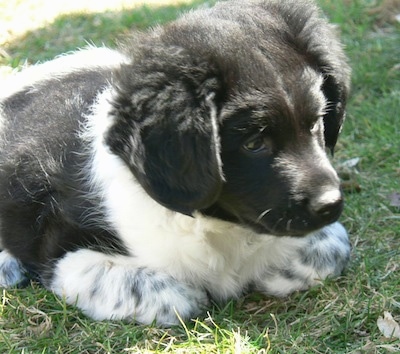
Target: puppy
188, 166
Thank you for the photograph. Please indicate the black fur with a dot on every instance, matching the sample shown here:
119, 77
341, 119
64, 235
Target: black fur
44, 205
164, 133
250, 81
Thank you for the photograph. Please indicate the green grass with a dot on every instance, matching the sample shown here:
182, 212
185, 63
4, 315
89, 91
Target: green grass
77, 30
339, 317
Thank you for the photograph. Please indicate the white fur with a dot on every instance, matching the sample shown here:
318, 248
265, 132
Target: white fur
216, 141
104, 287
91, 57
326, 255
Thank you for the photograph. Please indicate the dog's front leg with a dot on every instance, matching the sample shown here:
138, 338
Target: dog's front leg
114, 287
12, 272
304, 262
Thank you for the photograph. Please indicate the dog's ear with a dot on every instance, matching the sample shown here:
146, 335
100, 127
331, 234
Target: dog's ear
166, 128
335, 89
326, 51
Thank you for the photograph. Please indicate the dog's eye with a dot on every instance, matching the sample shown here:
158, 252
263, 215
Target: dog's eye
256, 144
316, 127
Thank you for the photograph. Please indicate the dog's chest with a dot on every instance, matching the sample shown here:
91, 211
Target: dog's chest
200, 250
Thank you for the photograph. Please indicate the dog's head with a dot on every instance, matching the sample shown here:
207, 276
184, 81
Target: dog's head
228, 111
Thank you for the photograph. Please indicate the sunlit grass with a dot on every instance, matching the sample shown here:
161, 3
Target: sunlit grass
21, 16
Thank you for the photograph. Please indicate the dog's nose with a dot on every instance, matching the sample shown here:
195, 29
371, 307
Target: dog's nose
328, 205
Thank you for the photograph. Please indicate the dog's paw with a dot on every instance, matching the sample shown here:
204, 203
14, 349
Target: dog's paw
167, 301
327, 251
308, 261
12, 272
112, 287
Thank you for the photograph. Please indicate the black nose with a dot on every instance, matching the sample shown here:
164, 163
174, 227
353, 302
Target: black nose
327, 205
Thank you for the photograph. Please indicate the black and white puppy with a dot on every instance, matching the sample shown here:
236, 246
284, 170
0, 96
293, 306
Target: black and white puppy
187, 166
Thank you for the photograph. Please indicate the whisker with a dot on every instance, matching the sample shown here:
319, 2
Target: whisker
276, 224
265, 212
288, 224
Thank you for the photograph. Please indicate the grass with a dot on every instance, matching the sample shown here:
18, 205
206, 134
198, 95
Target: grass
339, 317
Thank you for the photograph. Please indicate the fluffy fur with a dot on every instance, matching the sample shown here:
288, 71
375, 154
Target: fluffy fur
185, 167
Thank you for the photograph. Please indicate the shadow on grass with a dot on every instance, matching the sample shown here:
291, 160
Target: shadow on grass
76, 30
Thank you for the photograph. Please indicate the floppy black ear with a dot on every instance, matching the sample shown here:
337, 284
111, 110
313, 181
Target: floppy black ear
326, 52
166, 128
335, 89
